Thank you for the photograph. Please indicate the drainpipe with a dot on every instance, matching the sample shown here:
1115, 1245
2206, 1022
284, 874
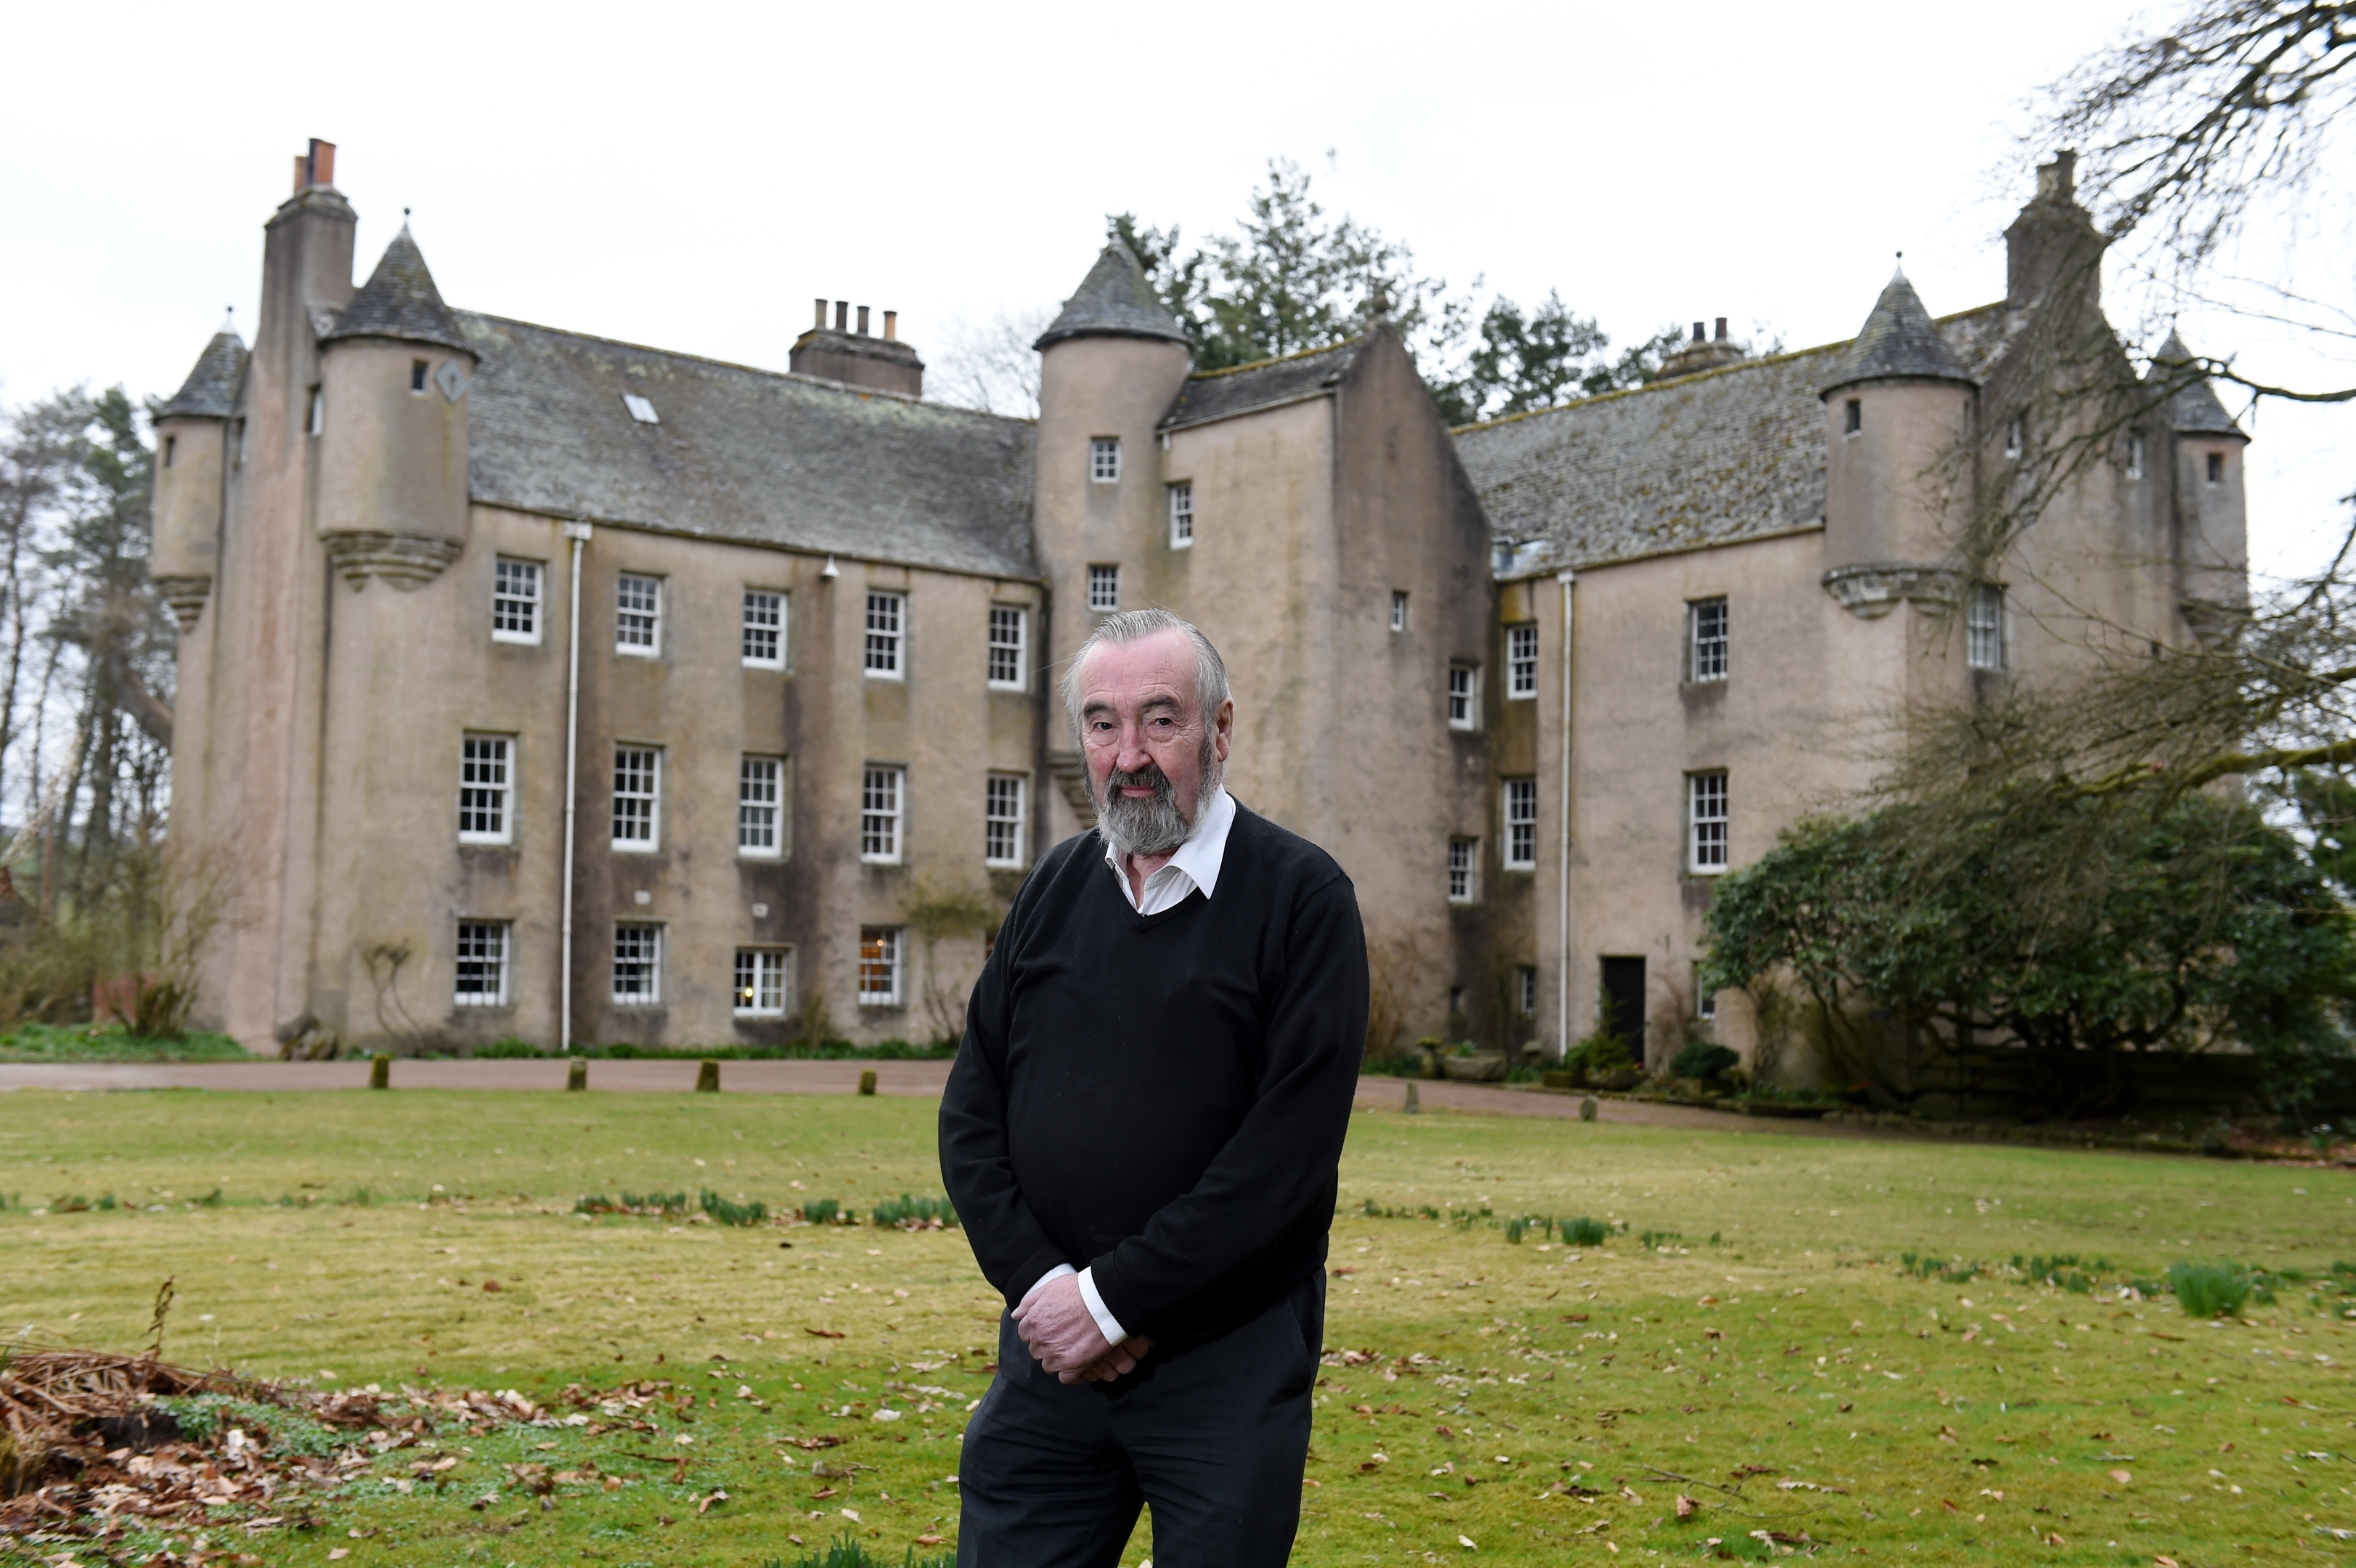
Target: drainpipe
579, 534
1562, 844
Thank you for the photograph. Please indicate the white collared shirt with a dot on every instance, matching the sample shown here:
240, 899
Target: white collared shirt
1195, 867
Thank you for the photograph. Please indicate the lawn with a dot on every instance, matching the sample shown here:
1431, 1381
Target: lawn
111, 1042
1764, 1350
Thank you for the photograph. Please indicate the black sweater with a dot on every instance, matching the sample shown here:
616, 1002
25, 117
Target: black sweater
1162, 1098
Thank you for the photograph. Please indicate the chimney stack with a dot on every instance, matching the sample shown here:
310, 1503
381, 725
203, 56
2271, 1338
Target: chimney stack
819, 325
843, 315
891, 326
857, 358
862, 321
316, 166
1698, 326
1721, 329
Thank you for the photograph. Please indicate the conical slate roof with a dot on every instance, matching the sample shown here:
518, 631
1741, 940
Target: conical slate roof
210, 391
2193, 410
1113, 301
1898, 339
400, 300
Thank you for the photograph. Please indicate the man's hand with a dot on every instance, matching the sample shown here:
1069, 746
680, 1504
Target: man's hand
1062, 1334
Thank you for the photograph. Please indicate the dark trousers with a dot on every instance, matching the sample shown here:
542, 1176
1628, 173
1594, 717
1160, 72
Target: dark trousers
1213, 1437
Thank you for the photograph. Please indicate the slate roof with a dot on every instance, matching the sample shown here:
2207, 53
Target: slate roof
399, 301
1113, 301
210, 391
1218, 394
1898, 339
742, 454
1732, 454
2194, 410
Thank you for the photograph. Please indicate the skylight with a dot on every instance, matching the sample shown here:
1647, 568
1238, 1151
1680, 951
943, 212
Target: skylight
640, 410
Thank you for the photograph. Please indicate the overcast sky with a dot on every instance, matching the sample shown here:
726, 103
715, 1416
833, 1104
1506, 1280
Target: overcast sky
691, 175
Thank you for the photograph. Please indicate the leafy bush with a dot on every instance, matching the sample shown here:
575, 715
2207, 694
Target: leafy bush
726, 1213
1926, 1267
916, 1213
1601, 1052
2210, 1290
826, 1212
1584, 1231
1702, 1060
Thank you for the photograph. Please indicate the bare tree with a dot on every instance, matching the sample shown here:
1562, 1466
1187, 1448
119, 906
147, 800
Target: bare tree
992, 366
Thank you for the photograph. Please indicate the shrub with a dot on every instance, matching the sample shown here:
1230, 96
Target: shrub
509, 1049
1585, 1233
916, 1213
726, 1213
826, 1212
1601, 1052
1702, 1060
849, 1552
2210, 1290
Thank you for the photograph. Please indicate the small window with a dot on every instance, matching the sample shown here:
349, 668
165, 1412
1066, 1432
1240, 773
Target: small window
886, 613
417, 370
640, 410
1182, 514
236, 443
879, 965
2016, 438
171, 448
1104, 588
881, 810
1464, 697
1526, 989
1464, 865
637, 798
1103, 458
515, 601
760, 807
2134, 454
1706, 640
482, 970
1852, 416
1520, 825
1002, 820
1706, 823
1522, 659
638, 964
1706, 1001
315, 422
763, 982
1984, 628
637, 615
486, 789
1399, 611
2216, 468
1010, 632
765, 629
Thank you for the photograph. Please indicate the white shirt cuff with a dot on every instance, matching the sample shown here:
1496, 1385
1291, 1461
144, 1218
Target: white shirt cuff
1058, 1272
1107, 1323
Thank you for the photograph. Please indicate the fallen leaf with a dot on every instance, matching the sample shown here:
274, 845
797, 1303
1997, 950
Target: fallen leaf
921, 1540
850, 1513
823, 1333
338, 1554
1686, 1506
1466, 1541
2121, 1476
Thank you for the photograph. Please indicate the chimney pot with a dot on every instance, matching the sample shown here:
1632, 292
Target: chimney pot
819, 325
843, 315
1697, 330
891, 325
862, 321
323, 161
302, 173
1721, 329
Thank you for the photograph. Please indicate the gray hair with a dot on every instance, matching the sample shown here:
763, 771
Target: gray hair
1135, 626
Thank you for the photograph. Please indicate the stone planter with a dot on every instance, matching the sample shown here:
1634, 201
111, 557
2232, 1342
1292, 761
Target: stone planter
1620, 1082
1481, 1067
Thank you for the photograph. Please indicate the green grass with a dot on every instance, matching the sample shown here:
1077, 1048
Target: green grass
1774, 1331
111, 1042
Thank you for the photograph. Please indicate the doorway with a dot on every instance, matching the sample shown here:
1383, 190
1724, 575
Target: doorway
1624, 1002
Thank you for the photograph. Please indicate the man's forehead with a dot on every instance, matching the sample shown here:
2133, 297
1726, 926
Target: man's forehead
1151, 670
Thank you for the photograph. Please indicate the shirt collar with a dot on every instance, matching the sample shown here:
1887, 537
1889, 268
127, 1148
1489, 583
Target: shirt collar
1205, 851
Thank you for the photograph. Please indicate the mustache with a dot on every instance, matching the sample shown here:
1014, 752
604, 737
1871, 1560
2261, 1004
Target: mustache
1150, 777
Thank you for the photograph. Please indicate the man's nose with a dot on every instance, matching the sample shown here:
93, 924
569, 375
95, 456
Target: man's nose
1133, 755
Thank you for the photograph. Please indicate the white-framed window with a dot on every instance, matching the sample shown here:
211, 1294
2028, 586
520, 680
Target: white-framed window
879, 965
765, 629
1001, 820
1104, 588
1009, 636
418, 370
1984, 627
1463, 870
641, 410
888, 618
760, 807
638, 964
1399, 610
637, 798
882, 812
764, 986
2134, 454
1103, 458
515, 600
1526, 989
1464, 697
1706, 640
1521, 801
1706, 823
637, 614
315, 422
1182, 514
1522, 659
482, 968
486, 789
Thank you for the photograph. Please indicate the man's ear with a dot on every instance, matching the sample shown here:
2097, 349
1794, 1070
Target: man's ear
1224, 726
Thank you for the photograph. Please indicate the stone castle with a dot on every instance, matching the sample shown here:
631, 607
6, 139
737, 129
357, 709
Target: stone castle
536, 684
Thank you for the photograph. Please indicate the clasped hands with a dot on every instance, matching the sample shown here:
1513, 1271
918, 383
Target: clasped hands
1062, 1334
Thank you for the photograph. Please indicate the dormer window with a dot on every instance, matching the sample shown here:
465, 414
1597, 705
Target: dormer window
1853, 416
1103, 460
417, 369
2216, 468
640, 408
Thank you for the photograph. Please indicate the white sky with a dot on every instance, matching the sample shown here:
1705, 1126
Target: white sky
690, 175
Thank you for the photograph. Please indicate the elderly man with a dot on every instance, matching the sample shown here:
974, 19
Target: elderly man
1142, 1133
